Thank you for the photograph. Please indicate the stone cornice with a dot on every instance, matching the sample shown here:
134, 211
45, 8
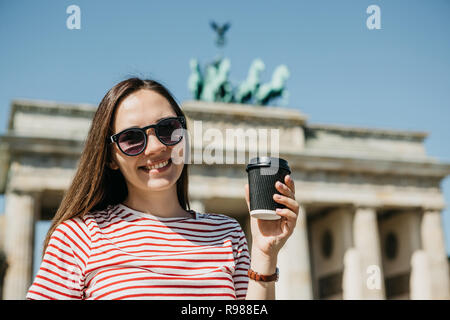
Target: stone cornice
316, 161
31, 144
201, 109
368, 132
51, 108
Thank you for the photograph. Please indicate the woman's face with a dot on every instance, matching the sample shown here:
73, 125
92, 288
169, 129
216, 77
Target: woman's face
142, 108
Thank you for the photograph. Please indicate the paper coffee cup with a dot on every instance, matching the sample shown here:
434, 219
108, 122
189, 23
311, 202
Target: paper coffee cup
263, 173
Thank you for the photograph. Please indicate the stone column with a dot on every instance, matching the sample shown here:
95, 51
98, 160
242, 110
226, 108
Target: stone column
293, 261
434, 246
352, 277
367, 243
420, 280
20, 214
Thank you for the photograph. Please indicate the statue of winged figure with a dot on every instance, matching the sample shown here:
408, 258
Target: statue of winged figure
220, 30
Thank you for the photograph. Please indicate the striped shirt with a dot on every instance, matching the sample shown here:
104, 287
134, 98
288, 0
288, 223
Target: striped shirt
121, 253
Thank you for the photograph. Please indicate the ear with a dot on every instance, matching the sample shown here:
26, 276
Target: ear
111, 161
112, 165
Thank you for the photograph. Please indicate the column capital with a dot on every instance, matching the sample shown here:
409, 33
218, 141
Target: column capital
24, 192
365, 206
430, 209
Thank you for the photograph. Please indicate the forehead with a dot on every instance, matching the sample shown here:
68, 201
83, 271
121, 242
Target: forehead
140, 109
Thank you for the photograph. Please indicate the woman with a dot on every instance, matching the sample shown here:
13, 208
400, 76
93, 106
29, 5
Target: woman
124, 229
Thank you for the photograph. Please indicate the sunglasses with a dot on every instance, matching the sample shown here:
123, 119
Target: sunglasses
133, 141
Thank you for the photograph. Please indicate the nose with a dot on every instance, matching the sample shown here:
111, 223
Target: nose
153, 144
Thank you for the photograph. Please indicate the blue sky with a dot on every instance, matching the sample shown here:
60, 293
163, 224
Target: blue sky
341, 72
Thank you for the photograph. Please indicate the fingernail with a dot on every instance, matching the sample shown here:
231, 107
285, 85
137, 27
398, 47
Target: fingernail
278, 210
288, 177
277, 196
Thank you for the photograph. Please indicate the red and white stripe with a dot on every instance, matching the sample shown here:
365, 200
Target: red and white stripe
120, 253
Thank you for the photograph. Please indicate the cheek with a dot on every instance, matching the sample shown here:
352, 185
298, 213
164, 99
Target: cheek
178, 168
126, 166
178, 161
177, 154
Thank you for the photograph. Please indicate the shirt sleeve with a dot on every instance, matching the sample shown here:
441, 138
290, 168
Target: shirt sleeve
60, 276
240, 275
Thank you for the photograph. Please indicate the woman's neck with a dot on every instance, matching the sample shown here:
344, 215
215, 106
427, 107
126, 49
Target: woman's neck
158, 203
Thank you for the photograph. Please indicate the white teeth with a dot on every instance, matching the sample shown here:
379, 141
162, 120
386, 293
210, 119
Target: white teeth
159, 165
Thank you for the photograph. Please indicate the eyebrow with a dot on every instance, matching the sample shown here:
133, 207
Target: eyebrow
164, 118
153, 123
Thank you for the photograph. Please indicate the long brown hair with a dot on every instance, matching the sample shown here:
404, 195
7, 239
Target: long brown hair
95, 185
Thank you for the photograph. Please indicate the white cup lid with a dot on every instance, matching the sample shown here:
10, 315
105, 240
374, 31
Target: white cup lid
264, 214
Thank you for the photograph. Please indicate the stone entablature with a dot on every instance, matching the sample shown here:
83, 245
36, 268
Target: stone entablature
48, 119
46, 139
42, 127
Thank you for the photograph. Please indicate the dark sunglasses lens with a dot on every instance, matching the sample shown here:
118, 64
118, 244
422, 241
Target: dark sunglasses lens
132, 142
168, 133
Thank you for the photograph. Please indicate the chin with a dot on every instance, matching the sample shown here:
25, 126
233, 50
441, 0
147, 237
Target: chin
159, 187
162, 183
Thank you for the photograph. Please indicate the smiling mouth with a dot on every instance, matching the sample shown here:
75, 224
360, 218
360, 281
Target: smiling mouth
157, 167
